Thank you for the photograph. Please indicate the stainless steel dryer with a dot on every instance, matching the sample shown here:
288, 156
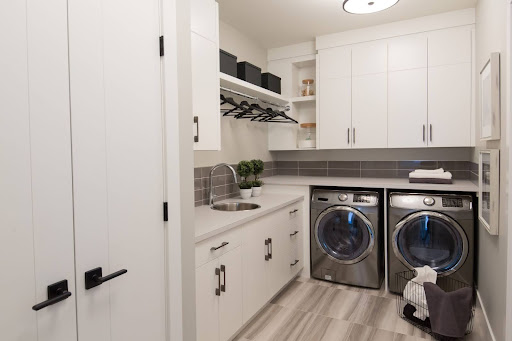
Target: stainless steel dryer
347, 237
431, 229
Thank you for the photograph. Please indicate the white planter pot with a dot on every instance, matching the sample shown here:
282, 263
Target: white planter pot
256, 191
246, 193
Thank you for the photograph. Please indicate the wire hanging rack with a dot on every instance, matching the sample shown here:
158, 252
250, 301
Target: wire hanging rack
253, 111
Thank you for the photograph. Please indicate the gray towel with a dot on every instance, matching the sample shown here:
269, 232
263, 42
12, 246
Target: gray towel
450, 312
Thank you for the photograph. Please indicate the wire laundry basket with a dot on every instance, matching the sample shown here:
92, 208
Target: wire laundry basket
415, 311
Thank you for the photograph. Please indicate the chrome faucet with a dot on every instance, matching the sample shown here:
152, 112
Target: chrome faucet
212, 195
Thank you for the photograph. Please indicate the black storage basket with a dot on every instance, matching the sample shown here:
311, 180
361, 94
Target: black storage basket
445, 283
228, 63
271, 82
249, 73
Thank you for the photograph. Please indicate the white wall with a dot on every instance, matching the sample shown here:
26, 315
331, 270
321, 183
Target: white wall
241, 140
491, 35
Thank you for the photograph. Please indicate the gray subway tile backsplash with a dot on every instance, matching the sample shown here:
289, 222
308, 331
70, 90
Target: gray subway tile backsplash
226, 188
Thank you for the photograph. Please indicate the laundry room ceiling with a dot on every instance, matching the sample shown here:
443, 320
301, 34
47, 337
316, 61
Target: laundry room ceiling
275, 23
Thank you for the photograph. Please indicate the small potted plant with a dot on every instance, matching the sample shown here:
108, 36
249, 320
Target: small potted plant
245, 169
257, 184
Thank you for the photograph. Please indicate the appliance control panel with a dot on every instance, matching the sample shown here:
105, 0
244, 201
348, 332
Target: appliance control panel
446, 202
345, 197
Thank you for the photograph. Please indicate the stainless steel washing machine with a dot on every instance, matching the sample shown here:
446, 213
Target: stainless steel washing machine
347, 237
431, 229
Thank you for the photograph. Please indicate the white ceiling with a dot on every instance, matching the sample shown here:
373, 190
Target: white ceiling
275, 23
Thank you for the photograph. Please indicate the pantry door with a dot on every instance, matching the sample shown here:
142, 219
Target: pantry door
36, 210
116, 111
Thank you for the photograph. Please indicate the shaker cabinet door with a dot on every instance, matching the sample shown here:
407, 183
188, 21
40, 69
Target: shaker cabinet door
230, 305
207, 301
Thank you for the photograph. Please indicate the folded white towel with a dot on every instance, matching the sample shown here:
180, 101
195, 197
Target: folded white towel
415, 293
416, 175
430, 171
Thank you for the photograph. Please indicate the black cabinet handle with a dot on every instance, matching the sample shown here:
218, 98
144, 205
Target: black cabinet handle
431, 133
294, 233
294, 263
267, 244
217, 290
56, 292
348, 135
218, 247
294, 211
223, 270
196, 122
270, 247
94, 277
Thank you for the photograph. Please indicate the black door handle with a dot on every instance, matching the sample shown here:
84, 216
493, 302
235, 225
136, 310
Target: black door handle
267, 244
294, 263
215, 248
93, 277
294, 233
217, 290
56, 292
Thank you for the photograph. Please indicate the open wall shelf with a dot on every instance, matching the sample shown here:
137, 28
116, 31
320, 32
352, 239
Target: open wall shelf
239, 85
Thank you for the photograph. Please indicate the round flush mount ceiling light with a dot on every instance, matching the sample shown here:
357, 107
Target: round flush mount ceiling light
367, 6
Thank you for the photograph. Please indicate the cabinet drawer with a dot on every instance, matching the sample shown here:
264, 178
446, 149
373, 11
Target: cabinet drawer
205, 250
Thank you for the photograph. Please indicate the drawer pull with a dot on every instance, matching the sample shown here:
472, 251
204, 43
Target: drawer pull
268, 244
218, 247
294, 263
223, 270
294, 233
294, 211
217, 290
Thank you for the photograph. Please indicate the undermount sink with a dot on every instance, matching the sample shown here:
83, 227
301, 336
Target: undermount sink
235, 206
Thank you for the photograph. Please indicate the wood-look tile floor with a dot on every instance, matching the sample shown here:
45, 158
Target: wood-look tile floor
313, 310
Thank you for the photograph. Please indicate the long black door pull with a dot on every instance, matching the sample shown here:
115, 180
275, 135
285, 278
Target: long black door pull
56, 292
94, 277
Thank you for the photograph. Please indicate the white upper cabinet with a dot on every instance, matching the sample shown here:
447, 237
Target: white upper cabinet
205, 93
204, 18
449, 105
407, 108
335, 98
205, 75
409, 52
449, 46
369, 111
369, 58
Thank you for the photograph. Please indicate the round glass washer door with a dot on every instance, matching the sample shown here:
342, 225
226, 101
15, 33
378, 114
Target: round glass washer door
433, 239
344, 234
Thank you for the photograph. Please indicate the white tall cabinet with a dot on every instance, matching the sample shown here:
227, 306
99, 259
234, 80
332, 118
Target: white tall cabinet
82, 179
36, 214
116, 111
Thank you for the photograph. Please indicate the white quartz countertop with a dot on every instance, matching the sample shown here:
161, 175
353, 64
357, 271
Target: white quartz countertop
394, 183
209, 223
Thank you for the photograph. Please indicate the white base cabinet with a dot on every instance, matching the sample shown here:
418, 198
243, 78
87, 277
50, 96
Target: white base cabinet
233, 287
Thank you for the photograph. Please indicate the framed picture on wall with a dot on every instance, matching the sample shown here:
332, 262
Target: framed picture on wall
489, 190
490, 106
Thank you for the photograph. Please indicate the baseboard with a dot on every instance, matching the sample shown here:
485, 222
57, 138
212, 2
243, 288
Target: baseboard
485, 316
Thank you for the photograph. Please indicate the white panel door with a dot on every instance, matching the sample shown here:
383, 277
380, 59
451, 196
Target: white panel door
254, 268
279, 269
407, 52
407, 108
117, 167
335, 99
369, 111
207, 301
369, 58
204, 18
449, 106
449, 46
230, 306
206, 92
36, 215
